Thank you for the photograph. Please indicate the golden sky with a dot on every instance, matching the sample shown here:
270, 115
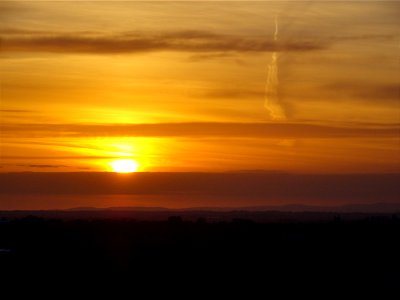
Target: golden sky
186, 86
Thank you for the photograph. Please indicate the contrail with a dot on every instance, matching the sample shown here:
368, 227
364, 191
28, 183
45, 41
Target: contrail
272, 101
276, 29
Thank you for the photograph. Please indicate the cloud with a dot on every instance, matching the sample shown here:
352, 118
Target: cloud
80, 157
184, 41
367, 91
42, 166
32, 166
200, 129
13, 111
387, 92
10, 7
234, 93
45, 166
204, 44
265, 186
218, 56
363, 37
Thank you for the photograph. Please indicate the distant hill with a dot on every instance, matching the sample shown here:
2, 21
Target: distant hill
274, 214
355, 208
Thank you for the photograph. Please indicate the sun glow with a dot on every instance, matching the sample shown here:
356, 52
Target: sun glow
124, 165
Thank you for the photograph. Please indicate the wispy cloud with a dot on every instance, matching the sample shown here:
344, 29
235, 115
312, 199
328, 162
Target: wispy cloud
367, 91
265, 130
9, 7
41, 166
233, 93
185, 41
362, 37
15, 111
207, 56
198, 41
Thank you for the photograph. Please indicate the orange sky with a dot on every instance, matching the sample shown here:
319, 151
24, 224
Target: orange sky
184, 86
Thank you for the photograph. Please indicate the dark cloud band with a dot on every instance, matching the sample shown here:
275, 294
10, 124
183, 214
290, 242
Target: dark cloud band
184, 41
262, 130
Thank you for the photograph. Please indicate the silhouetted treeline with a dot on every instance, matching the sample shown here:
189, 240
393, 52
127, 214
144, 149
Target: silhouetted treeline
348, 254
217, 215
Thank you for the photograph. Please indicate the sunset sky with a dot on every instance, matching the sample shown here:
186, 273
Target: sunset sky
79, 80
300, 87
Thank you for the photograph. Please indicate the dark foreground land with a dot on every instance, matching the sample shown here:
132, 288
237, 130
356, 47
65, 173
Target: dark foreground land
333, 253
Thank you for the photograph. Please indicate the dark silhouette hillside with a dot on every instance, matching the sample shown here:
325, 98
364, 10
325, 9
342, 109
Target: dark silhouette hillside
338, 254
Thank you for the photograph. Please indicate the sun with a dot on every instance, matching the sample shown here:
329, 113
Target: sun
124, 165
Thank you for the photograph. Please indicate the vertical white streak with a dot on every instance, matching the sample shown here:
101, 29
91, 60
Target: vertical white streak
272, 101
